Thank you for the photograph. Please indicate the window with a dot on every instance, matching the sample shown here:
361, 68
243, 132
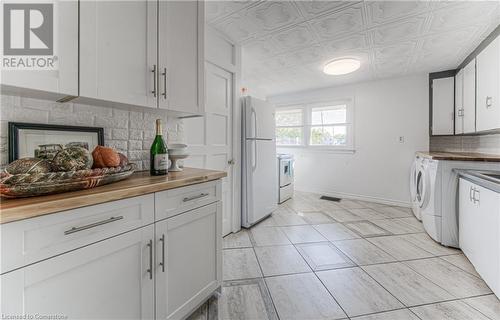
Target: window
290, 127
319, 125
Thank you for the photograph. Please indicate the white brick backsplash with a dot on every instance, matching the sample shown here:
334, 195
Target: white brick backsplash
120, 134
135, 145
130, 132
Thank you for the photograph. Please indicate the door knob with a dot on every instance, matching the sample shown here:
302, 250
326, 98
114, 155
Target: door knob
231, 162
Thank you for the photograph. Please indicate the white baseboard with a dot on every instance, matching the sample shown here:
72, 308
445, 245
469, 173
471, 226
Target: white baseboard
352, 196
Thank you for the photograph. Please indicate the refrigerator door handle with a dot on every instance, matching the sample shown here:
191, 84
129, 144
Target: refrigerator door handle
254, 159
253, 115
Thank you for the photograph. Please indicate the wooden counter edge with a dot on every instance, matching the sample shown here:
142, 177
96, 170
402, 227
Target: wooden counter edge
36, 209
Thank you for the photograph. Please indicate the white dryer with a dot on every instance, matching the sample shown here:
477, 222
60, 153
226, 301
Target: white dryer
416, 186
436, 194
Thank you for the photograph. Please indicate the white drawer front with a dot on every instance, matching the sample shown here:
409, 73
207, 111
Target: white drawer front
28, 241
172, 202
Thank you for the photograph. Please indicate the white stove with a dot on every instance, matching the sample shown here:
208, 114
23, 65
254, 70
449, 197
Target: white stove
285, 177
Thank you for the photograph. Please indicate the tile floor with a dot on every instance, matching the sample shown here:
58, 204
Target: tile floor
316, 259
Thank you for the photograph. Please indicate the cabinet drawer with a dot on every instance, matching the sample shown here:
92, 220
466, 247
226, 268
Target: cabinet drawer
172, 202
28, 241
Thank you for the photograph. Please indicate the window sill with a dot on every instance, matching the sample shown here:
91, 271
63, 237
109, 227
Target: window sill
318, 149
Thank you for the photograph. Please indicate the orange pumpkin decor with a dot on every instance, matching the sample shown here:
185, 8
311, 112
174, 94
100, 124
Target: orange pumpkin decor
105, 157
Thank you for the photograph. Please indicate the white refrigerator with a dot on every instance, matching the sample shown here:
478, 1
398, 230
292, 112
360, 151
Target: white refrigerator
259, 194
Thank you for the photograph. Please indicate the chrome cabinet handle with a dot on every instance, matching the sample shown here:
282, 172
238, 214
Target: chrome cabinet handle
478, 195
150, 270
154, 80
470, 194
489, 102
162, 263
201, 195
92, 225
164, 74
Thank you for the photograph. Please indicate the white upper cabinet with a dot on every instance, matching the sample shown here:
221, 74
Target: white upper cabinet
181, 55
469, 97
118, 51
459, 104
62, 80
443, 106
488, 87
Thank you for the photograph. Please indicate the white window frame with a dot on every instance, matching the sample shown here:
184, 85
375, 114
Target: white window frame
294, 107
307, 124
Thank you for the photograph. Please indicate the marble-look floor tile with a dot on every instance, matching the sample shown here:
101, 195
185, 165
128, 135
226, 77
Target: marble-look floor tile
302, 296
459, 283
363, 252
342, 215
243, 300
350, 204
400, 248
277, 260
461, 261
269, 236
367, 229
425, 242
402, 314
451, 310
240, 264
488, 305
357, 293
407, 285
302, 234
395, 212
412, 221
237, 240
368, 214
396, 226
288, 219
335, 231
329, 205
371, 205
315, 217
200, 314
323, 256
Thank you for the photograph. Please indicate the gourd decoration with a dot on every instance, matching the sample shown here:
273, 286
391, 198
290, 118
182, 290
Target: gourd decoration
72, 168
72, 159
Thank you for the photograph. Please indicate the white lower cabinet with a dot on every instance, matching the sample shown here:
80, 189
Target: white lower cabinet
479, 230
129, 266
106, 280
188, 260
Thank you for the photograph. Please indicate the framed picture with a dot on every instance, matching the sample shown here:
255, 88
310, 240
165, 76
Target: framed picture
37, 140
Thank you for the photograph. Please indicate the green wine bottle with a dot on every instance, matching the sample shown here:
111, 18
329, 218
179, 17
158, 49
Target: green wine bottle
158, 153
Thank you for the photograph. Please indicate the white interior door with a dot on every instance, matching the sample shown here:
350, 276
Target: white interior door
210, 137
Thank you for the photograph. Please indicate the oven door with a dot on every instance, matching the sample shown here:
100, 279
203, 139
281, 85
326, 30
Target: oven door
286, 172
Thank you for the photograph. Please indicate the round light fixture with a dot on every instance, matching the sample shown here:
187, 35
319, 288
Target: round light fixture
341, 66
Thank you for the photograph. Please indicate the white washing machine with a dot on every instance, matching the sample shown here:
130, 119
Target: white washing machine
437, 196
415, 186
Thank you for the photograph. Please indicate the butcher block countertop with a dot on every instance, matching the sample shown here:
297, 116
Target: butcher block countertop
138, 184
459, 156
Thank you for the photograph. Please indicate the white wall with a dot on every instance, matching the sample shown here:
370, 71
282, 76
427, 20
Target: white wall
379, 168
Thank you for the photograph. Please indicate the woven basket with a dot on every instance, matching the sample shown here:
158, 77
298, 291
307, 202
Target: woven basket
30, 185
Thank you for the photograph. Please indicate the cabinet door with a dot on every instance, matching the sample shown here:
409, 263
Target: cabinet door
188, 260
488, 87
469, 97
181, 58
443, 106
106, 280
459, 104
118, 51
64, 79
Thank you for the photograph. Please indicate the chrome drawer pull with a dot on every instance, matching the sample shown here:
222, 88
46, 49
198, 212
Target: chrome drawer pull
202, 195
92, 225
150, 270
162, 263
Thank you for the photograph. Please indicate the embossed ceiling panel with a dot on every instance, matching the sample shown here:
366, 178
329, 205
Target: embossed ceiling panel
285, 44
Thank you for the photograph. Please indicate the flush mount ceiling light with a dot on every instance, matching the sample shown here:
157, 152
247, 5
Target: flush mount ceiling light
341, 66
